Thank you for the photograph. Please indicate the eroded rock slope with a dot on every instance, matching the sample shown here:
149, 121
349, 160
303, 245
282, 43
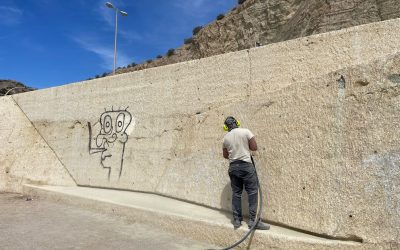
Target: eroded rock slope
270, 21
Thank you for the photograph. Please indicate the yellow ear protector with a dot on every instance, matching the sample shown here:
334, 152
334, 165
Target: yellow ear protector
230, 120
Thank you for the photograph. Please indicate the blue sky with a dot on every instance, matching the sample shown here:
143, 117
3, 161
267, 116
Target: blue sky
45, 43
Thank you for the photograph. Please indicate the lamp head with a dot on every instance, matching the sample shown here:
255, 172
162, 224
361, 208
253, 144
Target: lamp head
109, 5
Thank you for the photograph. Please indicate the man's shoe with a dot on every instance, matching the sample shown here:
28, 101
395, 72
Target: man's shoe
260, 225
237, 223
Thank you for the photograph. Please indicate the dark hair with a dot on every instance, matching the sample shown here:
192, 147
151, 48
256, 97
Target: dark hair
231, 123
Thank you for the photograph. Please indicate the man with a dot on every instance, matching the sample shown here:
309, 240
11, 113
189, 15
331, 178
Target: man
236, 148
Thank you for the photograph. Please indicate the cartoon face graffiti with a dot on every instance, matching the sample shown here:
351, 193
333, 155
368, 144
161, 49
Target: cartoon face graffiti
111, 140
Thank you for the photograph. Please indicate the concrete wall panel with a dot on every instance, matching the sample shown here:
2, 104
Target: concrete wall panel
24, 156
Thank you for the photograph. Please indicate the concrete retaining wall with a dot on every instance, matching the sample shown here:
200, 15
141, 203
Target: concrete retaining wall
24, 156
325, 111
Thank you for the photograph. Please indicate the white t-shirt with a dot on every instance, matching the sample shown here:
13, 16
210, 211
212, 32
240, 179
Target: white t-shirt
236, 142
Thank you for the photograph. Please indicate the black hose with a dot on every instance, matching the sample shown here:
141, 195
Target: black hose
253, 227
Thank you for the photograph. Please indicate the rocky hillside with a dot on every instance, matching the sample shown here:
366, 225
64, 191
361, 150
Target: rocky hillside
11, 87
270, 21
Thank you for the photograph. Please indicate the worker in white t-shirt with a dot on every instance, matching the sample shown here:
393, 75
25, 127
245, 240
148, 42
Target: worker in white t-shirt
236, 148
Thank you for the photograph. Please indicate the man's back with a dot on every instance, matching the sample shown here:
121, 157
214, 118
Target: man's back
237, 144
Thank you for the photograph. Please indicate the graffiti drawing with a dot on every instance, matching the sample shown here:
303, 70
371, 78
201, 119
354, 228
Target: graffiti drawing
111, 139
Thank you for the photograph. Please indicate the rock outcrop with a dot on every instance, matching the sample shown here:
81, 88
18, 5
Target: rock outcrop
11, 87
271, 21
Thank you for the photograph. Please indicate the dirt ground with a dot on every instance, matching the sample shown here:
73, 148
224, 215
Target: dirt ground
40, 224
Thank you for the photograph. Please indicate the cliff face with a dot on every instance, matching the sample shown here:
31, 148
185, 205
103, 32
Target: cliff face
270, 21
11, 87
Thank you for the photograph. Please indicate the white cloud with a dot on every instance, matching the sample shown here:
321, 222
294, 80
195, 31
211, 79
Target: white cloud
10, 15
130, 36
106, 14
105, 53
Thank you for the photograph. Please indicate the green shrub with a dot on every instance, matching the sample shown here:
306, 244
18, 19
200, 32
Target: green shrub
170, 52
196, 30
159, 56
241, 1
220, 16
149, 61
188, 40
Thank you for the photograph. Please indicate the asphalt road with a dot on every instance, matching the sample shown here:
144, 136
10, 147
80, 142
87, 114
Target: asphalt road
40, 224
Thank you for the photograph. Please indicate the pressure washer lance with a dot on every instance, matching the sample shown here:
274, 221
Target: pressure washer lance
258, 215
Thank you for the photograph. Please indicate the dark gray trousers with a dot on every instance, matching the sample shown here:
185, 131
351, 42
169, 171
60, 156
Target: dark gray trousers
243, 174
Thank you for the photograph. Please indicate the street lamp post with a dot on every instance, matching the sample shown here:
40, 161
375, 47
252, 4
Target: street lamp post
109, 5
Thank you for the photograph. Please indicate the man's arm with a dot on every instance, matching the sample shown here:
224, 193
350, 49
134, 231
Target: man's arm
253, 144
225, 153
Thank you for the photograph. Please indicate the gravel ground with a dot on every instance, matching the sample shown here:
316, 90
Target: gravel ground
40, 224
